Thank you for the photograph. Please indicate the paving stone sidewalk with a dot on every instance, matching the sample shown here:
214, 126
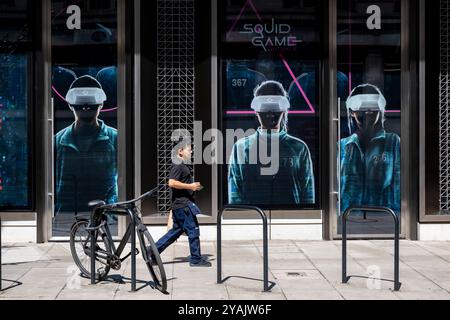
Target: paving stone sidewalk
300, 271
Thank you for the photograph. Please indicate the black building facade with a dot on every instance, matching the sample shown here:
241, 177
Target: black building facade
368, 121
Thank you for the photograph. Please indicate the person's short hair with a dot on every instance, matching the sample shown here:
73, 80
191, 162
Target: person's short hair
270, 88
181, 142
86, 81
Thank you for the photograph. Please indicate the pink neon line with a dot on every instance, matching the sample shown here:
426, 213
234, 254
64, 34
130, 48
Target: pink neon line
350, 88
350, 85
109, 110
291, 112
250, 2
58, 94
297, 83
238, 17
253, 112
393, 111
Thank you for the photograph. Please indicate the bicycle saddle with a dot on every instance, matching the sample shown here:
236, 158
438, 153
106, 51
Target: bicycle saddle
96, 203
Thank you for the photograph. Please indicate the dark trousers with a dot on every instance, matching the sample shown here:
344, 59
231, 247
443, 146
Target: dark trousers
184, 221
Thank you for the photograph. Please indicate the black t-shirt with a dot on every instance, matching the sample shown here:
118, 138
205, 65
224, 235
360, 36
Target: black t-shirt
181, 198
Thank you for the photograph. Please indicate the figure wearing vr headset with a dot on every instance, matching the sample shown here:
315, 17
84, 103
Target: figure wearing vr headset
370, 157
294, 181
86, 151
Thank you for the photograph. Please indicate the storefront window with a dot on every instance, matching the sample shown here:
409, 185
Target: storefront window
15, 105
436, 113
84, 91
270, 99
369, 89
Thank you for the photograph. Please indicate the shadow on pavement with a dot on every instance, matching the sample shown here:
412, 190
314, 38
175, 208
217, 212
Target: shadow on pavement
14, 284
186, 259
117, 278
271, 283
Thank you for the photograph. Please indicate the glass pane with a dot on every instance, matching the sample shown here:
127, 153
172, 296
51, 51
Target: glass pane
15, 148
271, 63
369, 88
437, 92
84, 91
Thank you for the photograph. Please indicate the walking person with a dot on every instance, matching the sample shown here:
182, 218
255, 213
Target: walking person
184, 209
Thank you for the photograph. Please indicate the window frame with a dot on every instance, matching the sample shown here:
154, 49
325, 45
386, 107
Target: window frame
28, 49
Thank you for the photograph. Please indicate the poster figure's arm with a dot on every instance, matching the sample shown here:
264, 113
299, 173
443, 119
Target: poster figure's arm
112, 195
306, 173
340, 160
58, 168
396, 179
234, 179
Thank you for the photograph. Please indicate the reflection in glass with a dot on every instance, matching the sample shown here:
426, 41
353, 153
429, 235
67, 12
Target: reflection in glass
369, 87
86, 151
290, 179
14, 165
84, 89
272, 42
370, 156
15, 105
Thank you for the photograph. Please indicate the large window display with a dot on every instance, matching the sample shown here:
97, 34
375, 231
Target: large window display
84, 95
15, 105
369, 90
270, 100
435, 115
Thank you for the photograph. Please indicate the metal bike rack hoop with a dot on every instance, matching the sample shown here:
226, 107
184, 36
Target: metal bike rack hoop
265, 240
92, 231
345, 216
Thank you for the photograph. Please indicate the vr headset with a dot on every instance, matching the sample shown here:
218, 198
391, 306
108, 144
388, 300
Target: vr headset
86, 96
366, 102
263, 104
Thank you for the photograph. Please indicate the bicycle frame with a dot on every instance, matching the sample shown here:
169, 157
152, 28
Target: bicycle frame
130, 210
117, 251
98, 223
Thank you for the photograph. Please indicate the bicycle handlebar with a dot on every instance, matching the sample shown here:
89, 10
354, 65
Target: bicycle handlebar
127, 203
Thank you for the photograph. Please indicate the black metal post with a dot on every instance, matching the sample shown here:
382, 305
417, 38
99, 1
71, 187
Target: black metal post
92, 253
265, 253
133, 251
344, 246
265, 241
219, 247
345, 216
397, 283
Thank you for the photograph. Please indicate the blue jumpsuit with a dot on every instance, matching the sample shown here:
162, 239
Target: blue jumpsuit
83, 176
371, 178
293, 184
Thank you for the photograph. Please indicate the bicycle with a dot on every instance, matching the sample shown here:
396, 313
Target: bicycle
105, 251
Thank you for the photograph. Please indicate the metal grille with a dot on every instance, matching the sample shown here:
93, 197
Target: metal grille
444, 112
176, 83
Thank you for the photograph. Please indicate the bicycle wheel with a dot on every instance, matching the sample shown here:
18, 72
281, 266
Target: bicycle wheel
80, 242
156, 268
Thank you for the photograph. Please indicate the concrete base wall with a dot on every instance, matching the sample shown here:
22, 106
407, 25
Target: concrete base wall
248, 230
19, 232
26, 231
434, 232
